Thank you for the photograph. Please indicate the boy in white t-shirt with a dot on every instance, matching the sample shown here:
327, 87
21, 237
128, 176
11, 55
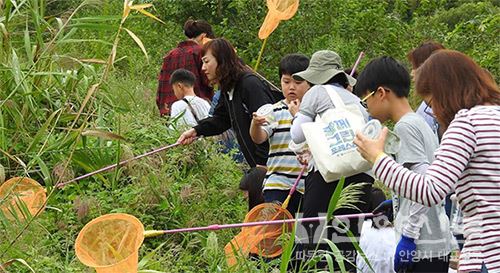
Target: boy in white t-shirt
191, 107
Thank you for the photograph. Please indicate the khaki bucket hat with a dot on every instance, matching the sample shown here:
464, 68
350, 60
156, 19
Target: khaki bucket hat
324, 65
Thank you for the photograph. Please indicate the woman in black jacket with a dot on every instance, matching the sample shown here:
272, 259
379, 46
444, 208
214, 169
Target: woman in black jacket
242, 94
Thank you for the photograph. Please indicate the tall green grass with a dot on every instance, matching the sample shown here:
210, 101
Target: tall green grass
52, 104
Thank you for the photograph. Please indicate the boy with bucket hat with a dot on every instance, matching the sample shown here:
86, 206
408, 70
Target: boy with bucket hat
326, 72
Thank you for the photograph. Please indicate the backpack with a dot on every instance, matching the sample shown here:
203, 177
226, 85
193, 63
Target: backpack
272, 91
275, 93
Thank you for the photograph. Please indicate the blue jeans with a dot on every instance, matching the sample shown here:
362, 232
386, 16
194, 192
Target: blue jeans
447, 205
228, 139
483, 269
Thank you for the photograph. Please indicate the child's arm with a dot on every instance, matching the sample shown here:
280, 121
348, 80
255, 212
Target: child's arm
257, 131
414, 156
417, 211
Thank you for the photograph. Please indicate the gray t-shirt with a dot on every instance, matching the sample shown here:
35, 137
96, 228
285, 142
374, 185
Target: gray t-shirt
418, 143
316, 101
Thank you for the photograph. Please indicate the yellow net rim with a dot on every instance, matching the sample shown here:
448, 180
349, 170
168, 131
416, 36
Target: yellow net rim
123, 216
38, 196
274, 16
285, 14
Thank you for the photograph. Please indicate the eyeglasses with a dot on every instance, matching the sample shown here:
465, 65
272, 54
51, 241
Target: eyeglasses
428, 108
363, 100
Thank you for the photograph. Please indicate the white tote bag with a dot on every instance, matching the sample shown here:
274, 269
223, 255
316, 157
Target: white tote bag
330, 139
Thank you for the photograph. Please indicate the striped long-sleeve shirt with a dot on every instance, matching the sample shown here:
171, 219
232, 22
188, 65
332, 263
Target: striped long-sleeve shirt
467, 161
282, 164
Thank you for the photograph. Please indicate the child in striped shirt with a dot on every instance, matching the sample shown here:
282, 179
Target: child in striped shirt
466, 101
282, 165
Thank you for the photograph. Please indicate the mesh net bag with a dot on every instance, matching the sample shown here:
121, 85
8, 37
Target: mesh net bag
21, 195
111, 243
278, 10
262, 240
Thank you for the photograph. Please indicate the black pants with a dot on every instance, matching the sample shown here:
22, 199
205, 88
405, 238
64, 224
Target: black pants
294, 205
252, 183
316, 200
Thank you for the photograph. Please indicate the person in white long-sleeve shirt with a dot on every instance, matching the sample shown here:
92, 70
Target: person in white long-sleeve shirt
377, 240
326, 72
466, 101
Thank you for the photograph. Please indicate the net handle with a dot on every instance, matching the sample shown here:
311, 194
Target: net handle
292, 190
263, 78
361, 55
153, 233
112, 166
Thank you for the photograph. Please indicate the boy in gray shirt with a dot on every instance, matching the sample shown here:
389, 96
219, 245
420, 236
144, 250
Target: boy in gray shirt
425, 237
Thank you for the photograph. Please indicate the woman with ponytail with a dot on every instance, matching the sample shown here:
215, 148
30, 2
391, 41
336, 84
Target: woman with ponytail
186, 55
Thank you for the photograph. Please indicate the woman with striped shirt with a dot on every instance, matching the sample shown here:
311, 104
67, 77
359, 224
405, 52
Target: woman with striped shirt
466, 101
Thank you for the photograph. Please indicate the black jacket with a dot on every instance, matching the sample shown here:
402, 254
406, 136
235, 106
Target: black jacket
249, 94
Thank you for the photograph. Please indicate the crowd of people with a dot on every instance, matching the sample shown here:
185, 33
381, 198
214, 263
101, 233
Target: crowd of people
449, 145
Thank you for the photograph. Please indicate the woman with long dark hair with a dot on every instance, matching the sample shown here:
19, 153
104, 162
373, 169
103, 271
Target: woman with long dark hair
242, 93
466, 103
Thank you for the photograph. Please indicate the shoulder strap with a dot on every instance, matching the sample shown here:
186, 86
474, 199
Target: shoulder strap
334, 96
191, 109
274, 95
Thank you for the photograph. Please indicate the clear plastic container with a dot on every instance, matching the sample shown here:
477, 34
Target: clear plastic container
266, 111
372, 130
456, 217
